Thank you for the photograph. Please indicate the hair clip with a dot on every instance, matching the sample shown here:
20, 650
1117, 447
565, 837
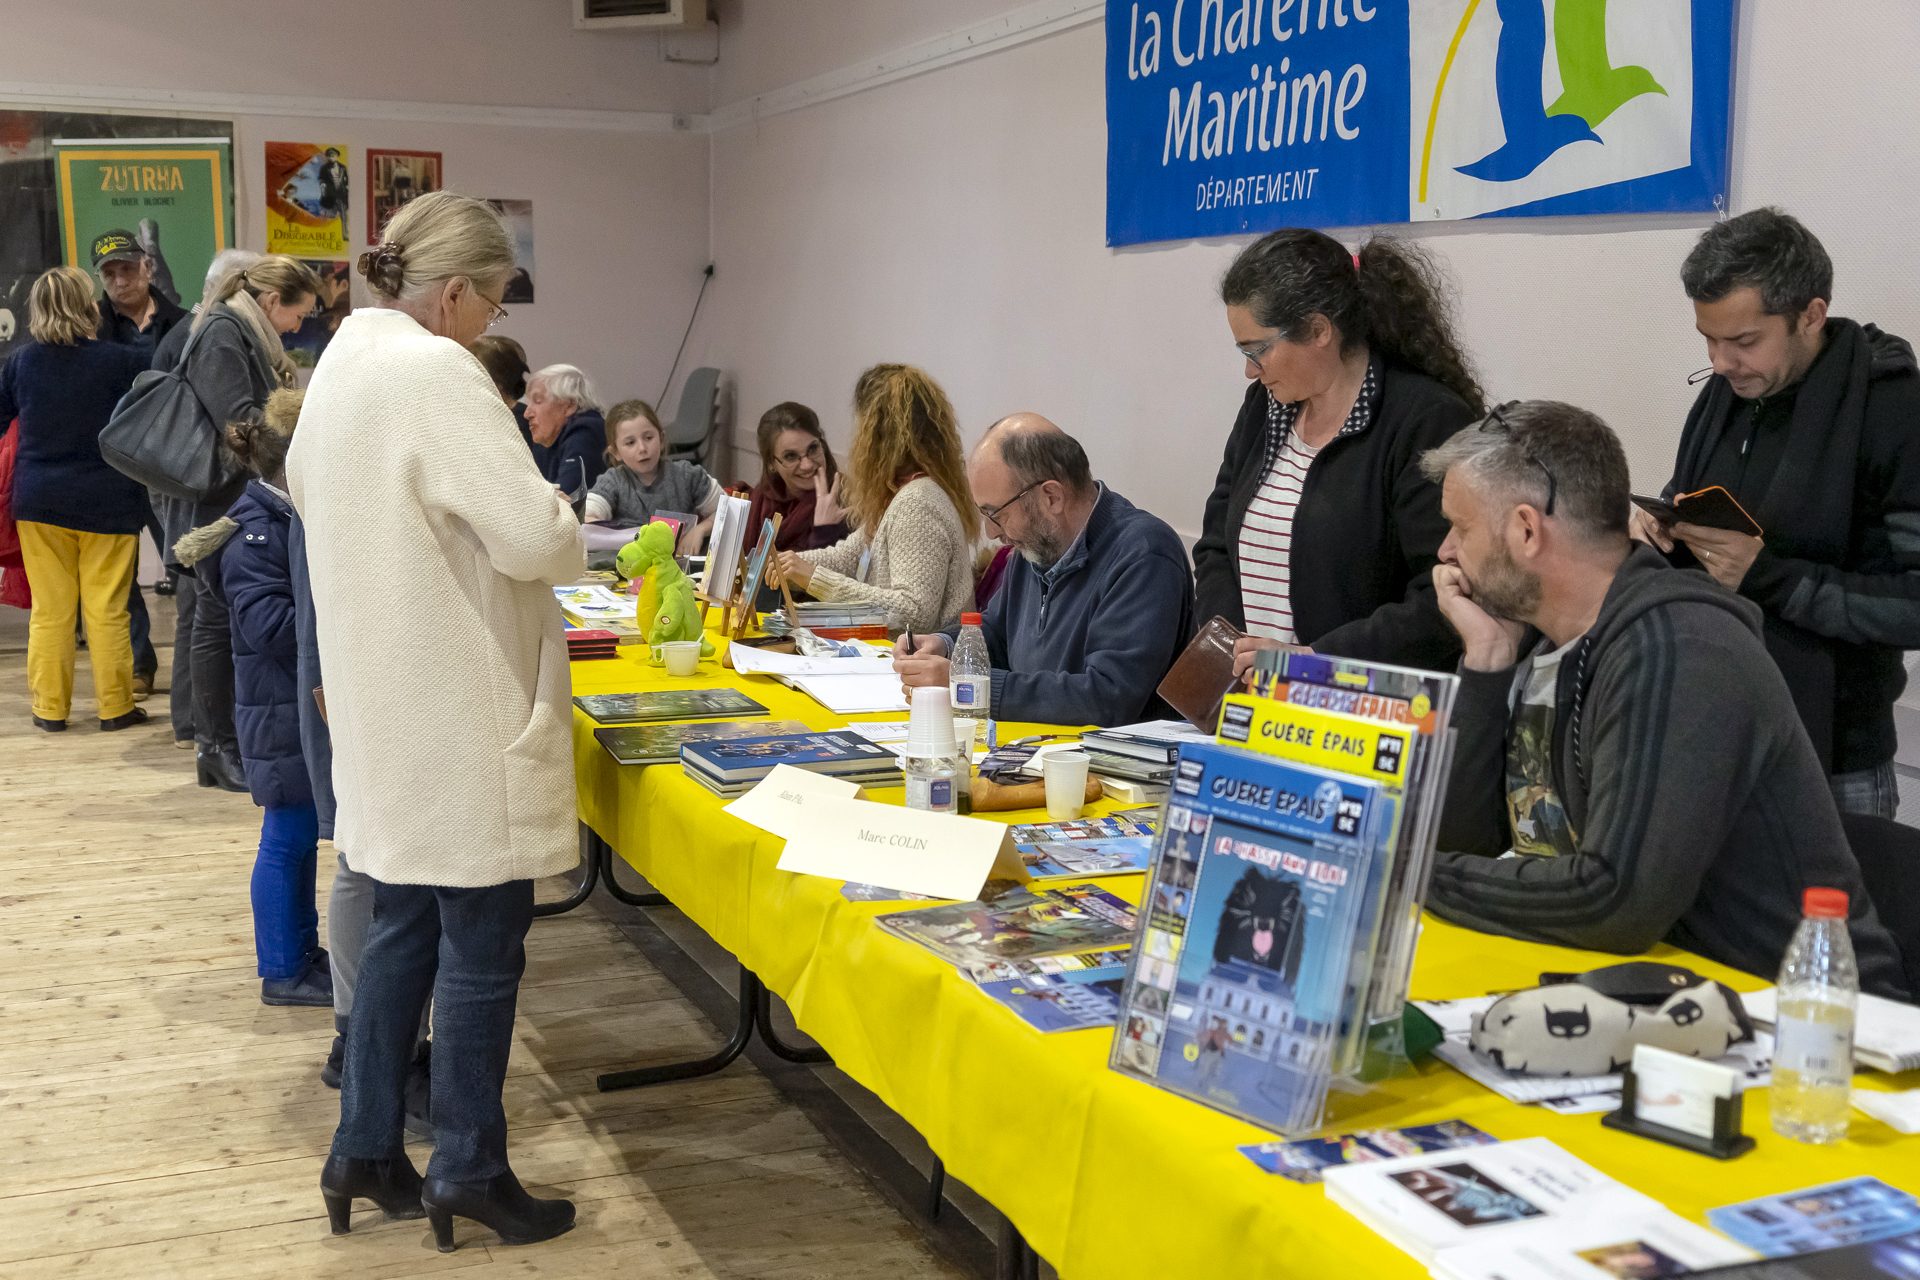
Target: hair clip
383, 270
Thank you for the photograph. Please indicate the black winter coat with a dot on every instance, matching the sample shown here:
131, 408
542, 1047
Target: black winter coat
252, 570
1366, 534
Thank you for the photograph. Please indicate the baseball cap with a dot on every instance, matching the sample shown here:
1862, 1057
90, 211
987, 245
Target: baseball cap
116, 246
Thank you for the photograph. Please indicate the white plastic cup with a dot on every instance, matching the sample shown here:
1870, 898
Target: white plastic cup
1066, 776
930, 724
963, 731
683, 657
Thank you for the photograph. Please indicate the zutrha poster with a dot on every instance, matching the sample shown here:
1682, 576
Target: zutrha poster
30, 223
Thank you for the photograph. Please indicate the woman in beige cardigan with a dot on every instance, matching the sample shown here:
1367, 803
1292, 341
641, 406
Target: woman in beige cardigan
912, 553
432, 542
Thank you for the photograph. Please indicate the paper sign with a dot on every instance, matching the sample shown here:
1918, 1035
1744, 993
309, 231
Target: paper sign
779, 802
1679, 1092
933, 853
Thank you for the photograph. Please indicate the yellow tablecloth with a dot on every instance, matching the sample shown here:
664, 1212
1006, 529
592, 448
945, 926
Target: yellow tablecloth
1104, 1175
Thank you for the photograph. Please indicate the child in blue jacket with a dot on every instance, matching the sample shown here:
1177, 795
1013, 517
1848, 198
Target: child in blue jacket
244, 556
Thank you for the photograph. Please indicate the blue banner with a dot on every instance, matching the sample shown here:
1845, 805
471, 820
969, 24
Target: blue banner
1233, 116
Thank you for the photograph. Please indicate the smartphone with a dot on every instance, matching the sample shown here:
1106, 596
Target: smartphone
1710, 508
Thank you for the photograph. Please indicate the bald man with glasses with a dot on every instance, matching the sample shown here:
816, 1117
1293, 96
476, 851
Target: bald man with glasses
1098, 603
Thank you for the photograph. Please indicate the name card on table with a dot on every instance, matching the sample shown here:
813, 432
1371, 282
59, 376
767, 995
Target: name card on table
932, 853
778, 803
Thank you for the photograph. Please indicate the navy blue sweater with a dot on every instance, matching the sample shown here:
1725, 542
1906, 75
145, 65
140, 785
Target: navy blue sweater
1089, 641
63, 396
582, 436
254, 573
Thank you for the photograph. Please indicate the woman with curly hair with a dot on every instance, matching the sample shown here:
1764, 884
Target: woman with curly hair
1321, 529
912, 552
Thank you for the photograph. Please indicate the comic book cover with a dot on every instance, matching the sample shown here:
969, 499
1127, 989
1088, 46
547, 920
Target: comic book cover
661, 743
1114, 826
1069, 859
1088, 966
1070, 1001
1302, 1161
1240, 963
1019, 925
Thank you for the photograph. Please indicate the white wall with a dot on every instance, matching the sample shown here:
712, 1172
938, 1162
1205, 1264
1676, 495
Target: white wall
955, 220
620, 216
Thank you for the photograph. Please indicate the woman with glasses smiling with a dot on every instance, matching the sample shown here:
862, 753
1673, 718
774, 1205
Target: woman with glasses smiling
800, 481
1321, 529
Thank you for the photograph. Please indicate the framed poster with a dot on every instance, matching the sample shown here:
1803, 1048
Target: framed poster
517, 217
173, 195
307, 187
393, 179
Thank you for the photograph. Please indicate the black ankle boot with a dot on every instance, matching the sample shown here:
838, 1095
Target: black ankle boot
219, 766
500, 1204
336, 1059
391, 1183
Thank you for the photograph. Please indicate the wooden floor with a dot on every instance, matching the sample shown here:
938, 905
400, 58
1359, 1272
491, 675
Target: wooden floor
157, 1120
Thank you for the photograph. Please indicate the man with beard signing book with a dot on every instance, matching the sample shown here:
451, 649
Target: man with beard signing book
1808, 423
1094, 610
1621, 732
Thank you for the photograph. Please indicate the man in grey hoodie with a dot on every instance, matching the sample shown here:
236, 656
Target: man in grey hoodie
1621, 730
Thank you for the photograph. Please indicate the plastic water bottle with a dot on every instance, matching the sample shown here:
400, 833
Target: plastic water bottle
931, 766
1813, 1029
970, 679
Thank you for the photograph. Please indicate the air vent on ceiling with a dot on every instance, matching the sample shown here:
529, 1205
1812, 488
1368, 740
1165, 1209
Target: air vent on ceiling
659, 15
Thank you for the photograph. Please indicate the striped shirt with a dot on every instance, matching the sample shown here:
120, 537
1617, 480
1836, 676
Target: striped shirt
1266, 532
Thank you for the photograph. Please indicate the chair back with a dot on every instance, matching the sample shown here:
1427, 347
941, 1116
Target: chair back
699, 406
1889, 858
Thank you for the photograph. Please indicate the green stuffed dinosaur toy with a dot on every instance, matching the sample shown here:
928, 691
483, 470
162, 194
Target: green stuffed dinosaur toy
676, 617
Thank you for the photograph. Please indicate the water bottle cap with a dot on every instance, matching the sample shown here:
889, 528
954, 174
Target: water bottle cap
969, 619
1825, 904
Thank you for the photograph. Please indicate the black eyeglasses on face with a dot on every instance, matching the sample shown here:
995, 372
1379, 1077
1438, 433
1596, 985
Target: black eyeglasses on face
1496, 420
993, 513
814, 453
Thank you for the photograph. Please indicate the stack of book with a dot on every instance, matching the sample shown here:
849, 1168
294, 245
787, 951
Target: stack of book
733, 767
1135, 761
840, 620
588, 644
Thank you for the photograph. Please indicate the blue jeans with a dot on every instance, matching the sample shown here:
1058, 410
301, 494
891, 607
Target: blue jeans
140, 628
1875, 791
467, 949
286, 925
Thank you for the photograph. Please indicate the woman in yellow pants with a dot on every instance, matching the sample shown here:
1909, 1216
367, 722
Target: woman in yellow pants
79, 519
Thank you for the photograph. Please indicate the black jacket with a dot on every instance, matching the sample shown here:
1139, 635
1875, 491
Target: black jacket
167, 315
1699, 810
1366, 535
232, 377
1839, 577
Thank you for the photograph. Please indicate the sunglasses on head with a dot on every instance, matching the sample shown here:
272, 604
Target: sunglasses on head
1496, 420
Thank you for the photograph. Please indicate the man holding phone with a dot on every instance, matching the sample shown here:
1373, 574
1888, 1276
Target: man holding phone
1805, 425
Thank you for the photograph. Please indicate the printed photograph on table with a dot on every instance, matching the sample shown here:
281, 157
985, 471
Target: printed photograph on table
1633, 1260
1018, 925
307, 197
306, 344
1064, 859
1302, 1161
517, 217
393, 179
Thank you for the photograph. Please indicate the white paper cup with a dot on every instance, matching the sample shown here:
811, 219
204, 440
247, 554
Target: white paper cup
963, 731
1066, 775
683, 657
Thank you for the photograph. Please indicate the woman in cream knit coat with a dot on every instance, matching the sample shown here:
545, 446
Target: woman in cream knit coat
909, 496
432, 542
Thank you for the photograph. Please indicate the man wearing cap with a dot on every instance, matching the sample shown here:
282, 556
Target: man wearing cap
134, 313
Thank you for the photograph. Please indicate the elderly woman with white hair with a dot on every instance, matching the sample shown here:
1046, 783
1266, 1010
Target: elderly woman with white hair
569, 435
424, 516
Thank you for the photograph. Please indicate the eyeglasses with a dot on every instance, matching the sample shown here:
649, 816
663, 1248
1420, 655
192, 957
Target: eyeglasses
993, 513
1258, 351
1496, 420
814, 453
495, 312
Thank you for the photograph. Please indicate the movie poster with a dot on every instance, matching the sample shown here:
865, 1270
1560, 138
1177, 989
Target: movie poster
517, 215
307, 199
393, 179
173, 195
305, 344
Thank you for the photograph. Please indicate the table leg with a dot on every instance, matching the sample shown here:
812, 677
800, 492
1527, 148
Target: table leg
590, 859
1015, 1259
606, 857
763, 1018
936, 1188
750, 995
